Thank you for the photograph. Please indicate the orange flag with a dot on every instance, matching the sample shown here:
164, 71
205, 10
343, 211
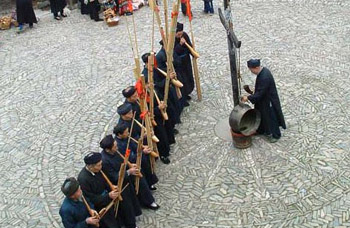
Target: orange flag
188, 10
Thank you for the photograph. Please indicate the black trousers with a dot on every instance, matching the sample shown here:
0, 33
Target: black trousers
56, 14
94, 8
145, 196
150, 178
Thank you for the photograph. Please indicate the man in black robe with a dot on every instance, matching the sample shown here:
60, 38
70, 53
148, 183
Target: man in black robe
266, 100
184, 53
57, 6
96, 189
111, 166
131, 97
121, 133
159, 83
73, 211
159, 130
25, 13
126, 114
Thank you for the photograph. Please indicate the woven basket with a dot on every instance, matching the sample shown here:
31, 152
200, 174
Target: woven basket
111, 22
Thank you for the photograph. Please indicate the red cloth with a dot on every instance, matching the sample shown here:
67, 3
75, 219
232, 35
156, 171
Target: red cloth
127, 153
138, 87
188, 10
143, 115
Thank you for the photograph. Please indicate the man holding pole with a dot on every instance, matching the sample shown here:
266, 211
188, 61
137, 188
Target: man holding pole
73, 211
182, 44
111, 165
96, 188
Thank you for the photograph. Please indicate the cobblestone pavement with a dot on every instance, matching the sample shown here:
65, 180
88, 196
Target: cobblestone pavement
60, 85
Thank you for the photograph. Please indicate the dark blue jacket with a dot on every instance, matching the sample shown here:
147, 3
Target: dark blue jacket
74, 213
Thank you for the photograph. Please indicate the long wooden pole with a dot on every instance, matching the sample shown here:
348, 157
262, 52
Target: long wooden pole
155, 9
165, 2
170, 48
122, 170
137, 69
195, 68
139, 159
147, 123
151, 85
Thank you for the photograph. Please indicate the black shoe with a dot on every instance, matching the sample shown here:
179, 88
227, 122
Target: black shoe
153, 207
175, 131
186, 104
97, 20
188, 97
57, 18
153, 188
63, 15
165, 160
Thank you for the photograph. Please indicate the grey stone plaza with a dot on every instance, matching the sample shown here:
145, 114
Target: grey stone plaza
61, 82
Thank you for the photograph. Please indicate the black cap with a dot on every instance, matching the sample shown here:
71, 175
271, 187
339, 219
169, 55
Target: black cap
124, 109
70, 186
179, 27
145, 57
120, 128
252, 63
92, 158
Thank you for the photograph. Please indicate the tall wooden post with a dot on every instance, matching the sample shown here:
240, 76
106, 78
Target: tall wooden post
233, 44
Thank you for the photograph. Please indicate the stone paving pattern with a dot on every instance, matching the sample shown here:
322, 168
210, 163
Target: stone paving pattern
60, 85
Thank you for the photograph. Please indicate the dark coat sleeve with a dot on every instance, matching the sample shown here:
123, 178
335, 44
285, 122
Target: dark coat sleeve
99, 200
69, 222
261, 89
182, 49
110, 171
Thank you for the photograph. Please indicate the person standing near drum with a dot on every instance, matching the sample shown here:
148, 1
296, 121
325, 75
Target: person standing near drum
266, 101
57, 6
25, 13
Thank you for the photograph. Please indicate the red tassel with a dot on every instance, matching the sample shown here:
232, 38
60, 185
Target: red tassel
139, 88
173, 14
127, 153
143, 115
155, 63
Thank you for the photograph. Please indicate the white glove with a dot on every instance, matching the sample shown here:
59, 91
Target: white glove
86, 2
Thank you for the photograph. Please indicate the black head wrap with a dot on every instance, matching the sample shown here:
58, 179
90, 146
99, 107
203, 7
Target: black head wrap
179, 27
129, 91
124, 109
120, 128
70, 186
145, 57
107, 142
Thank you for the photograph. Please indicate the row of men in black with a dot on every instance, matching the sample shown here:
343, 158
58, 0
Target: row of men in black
90, 179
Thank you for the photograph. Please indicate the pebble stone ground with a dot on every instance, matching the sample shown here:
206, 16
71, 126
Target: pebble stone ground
61, 84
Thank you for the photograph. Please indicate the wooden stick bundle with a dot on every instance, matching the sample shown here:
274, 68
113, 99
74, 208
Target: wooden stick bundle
170, 48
